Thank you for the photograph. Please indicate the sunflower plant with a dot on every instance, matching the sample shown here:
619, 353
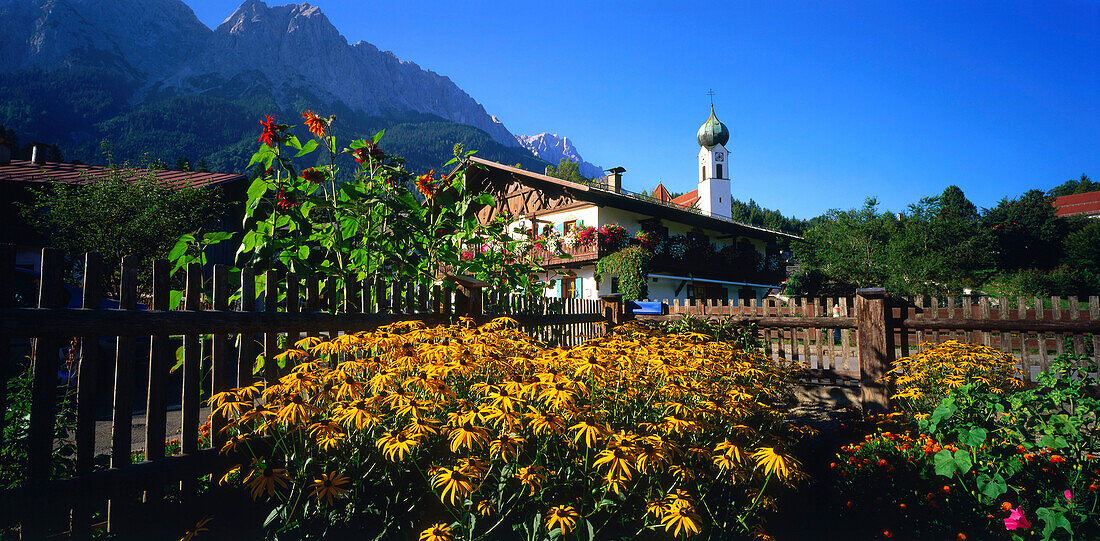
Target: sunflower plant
357, 213
467, 432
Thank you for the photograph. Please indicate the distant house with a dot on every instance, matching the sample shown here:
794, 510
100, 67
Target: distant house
1083, 204
541, 204
17, 177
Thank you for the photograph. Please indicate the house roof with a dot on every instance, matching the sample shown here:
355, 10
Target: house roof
601, 195
1085, 204
68, 173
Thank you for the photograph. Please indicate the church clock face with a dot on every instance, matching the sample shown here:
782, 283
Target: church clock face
718, 157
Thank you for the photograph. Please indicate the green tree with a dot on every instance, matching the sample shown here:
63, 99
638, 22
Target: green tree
1026, 233
853, 246
127, 212
942, 244
1075, 186
567, 170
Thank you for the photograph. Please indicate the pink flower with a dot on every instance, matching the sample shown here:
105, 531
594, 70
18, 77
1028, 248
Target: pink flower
1017, 520
1068, 494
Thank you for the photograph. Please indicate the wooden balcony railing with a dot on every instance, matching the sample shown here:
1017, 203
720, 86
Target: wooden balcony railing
579, 253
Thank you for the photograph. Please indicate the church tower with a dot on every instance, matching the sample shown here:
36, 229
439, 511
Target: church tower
714, 180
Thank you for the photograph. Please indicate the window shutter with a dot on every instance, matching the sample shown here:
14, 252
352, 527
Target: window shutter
557, 288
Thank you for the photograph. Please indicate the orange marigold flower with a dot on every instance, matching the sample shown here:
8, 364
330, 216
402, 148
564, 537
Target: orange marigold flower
1005, 506
946, 489
425, 184
1056, 459
317, 125
314, 175
961, 536
270, 135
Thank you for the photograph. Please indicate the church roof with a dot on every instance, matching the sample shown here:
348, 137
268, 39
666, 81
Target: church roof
712, 132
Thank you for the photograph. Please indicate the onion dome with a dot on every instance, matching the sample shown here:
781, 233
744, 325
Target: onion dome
712, 132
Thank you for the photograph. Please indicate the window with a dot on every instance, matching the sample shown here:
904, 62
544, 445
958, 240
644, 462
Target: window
719, 169
704, 172
569, 287
614, 284
569, 226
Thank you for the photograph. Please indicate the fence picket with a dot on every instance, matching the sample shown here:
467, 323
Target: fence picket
1094, 315
123, 400
88, 374
271, 339
7, 299
1056, 314
246, 357
155, 399
219, 350
1075, 315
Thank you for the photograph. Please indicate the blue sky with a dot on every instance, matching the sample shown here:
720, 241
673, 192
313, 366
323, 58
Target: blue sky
827, 102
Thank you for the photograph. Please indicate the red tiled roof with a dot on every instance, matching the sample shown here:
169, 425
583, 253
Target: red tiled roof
68, 173
1082, 203
688, 199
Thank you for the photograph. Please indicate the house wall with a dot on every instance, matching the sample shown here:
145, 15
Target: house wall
586, 282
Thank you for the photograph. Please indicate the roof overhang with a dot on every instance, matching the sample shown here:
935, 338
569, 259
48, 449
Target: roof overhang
602, 197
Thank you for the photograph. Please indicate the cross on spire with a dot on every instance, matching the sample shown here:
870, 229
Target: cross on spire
711, 94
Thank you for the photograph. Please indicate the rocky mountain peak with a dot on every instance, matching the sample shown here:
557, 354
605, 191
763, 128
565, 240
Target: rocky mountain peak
552, 148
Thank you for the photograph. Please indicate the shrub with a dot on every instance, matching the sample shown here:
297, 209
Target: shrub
482, 432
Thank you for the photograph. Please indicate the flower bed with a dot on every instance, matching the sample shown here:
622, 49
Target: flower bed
480, 432
976, 456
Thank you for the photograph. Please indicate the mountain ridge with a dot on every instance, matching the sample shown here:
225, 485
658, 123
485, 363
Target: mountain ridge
554, 148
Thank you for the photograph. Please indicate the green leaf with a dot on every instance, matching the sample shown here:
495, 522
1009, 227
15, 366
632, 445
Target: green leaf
945, 463
216, 237
303, 252
293, 142
257, 189
310, 146
180, 247
175, 296
1052, 520
264, 155
992, 487
974, 437
962, 460
377, 137
943, 411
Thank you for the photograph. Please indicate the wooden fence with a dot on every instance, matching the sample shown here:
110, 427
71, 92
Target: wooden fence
129, 370
874, 329
125, 357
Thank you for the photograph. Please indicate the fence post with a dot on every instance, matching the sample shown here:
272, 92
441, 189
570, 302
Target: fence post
468, 296
874, 352
611, 306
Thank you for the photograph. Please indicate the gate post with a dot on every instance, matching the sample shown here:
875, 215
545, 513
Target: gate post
611, 307
468, 292
874, 351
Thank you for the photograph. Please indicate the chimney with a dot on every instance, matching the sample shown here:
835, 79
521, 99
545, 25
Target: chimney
5, 154
38, 153
615, 178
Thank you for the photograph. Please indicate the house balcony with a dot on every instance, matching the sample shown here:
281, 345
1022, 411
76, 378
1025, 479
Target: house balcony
580, 254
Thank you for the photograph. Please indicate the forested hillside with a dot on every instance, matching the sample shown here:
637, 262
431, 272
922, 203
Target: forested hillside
79, 110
